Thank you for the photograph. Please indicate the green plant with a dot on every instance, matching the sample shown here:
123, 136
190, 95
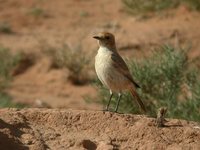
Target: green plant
166, 80
143, 7
6, 101
5, 28
193, 4
37, 12
7, 62
75, 60
84, 13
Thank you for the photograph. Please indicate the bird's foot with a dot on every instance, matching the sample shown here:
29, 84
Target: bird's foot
105, 110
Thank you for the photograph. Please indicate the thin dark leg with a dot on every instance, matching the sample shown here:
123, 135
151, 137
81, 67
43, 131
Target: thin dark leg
111, 95
119, 97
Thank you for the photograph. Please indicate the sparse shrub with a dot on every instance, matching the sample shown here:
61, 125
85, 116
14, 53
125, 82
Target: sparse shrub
5, 28
193, 4
6, 101
7, 62
143, 7
75, 60
83, 14
37, 12
167, 80
55, 56
25, 61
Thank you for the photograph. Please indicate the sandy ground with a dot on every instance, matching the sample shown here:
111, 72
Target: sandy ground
75, 22
40, 129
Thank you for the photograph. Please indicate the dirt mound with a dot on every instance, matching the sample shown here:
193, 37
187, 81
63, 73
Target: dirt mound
37, 25
72, 129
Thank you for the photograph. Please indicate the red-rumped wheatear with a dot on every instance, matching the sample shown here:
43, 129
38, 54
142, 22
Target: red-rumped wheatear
112, 71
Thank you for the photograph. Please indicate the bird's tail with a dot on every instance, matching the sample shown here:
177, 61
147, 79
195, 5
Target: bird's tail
138, 100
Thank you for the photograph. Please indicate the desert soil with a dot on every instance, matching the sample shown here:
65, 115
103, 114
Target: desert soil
39, 129
75, 22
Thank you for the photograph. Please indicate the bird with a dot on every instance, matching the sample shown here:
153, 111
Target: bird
112, 70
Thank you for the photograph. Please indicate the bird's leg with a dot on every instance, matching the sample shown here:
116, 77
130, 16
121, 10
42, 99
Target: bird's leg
119, 97
111, 95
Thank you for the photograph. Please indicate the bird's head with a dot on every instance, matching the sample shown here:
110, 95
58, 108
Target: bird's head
106, 39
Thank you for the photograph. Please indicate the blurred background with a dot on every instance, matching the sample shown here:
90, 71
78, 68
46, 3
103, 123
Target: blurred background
47, 53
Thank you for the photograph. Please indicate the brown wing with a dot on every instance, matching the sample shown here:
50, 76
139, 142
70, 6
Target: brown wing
121, 66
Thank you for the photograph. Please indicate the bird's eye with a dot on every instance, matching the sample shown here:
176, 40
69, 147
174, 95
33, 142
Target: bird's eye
107, 37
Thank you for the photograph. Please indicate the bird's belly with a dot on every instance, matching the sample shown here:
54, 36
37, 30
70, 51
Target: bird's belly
110, 77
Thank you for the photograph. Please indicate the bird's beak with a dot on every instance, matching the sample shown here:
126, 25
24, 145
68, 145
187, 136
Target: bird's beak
97, 37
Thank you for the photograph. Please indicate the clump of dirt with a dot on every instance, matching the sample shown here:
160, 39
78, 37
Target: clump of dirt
73, 129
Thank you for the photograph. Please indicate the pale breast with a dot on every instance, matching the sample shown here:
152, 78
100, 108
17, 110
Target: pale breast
107, 73
102, 65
